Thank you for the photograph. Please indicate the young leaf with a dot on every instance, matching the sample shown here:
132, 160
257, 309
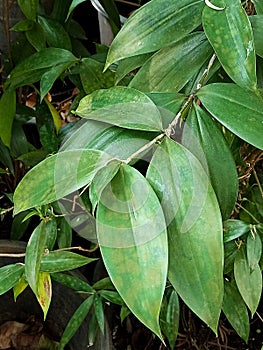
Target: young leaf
235, 310
44, 291
239, 110
29, 8
75, 322
7, 112
36, 37
249, 282
168, 70
121, 106
194, 229
58, 261
132, 235
34, 252
9, 276
229, 32
202, 137
57, 176
146, 32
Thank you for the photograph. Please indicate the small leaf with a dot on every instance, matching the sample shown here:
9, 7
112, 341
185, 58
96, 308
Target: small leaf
58, 261
72, 282
75, 322
51, 233
239, 110
99, 312
23, 25
248, 282
9, 276
64, 234
57, 176
73, 5
254, 250
132, 236
7, 111
44, 292
121, 106
146, 32
235, 310
19, 287
234, 229
36, 37
34, 251
54, 113
230, 33
29, 8
172, 319
111, 296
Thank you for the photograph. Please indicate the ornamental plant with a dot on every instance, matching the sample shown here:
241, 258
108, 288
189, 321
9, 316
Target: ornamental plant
158, 168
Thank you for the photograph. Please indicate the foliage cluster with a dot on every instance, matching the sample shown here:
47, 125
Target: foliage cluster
162, 172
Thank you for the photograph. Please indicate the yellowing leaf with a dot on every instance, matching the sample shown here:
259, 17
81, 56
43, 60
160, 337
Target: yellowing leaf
44, 291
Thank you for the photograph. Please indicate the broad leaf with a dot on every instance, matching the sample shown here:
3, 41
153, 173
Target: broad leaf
248, 282
57, 176
146, 32
202, 136
172, 67
259, 6
238, 110
132, 236
234, 229
257, 26
9, 276
44, 292
194, 229
36, 37
235, 310
229, 32
129, 64
7, 112
29, 8
34, 251
58, 261
121, 106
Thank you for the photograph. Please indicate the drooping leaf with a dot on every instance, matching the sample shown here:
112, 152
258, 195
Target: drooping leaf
72, 282
229, 32
23, 25
19, 287
99, 312
172, 67
7, 111
73, 5
57, 176
254, 250
249, 282
234, 229
257, 25
58, 261
171, 319
146, 32
75, 322
206, 141
121, 106
44, 292
235, 310
132, 236
34, 252
194, 229
54, 113
9, 276
29, 8
238, 110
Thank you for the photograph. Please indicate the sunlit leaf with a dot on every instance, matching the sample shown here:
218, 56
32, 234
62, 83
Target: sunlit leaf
9, 276
195, 235
44, 292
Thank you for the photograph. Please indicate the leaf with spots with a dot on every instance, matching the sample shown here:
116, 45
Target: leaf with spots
72, 282
229, 32
9, 276
44, 291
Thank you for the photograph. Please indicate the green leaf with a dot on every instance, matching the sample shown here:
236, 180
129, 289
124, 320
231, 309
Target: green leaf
58, 261
121, 106
23, 25
9, 276
64, 234
171, 324
36, 37
168, 70
145, 31
229, 32
259, 6
57, 176
51, 233
249, 282
72, 282
257, 25
55, 33
99, 312
29, 8
31, 70
234, 229
73, 5
202, 137
235, 310
7, 111
238, 110
19, 287
254, 250
194, 229
132, 235
92, 76
44, 292
129, 64
34, 251
75, 322
111, 296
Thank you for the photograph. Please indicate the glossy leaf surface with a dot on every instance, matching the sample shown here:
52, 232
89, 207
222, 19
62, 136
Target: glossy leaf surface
121, 106
194, 229
172, 67
57, 176
257, 26
202, 136
234, 229
229, 32
254, 250
9, 276
146, 32
238, 110
132, 236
